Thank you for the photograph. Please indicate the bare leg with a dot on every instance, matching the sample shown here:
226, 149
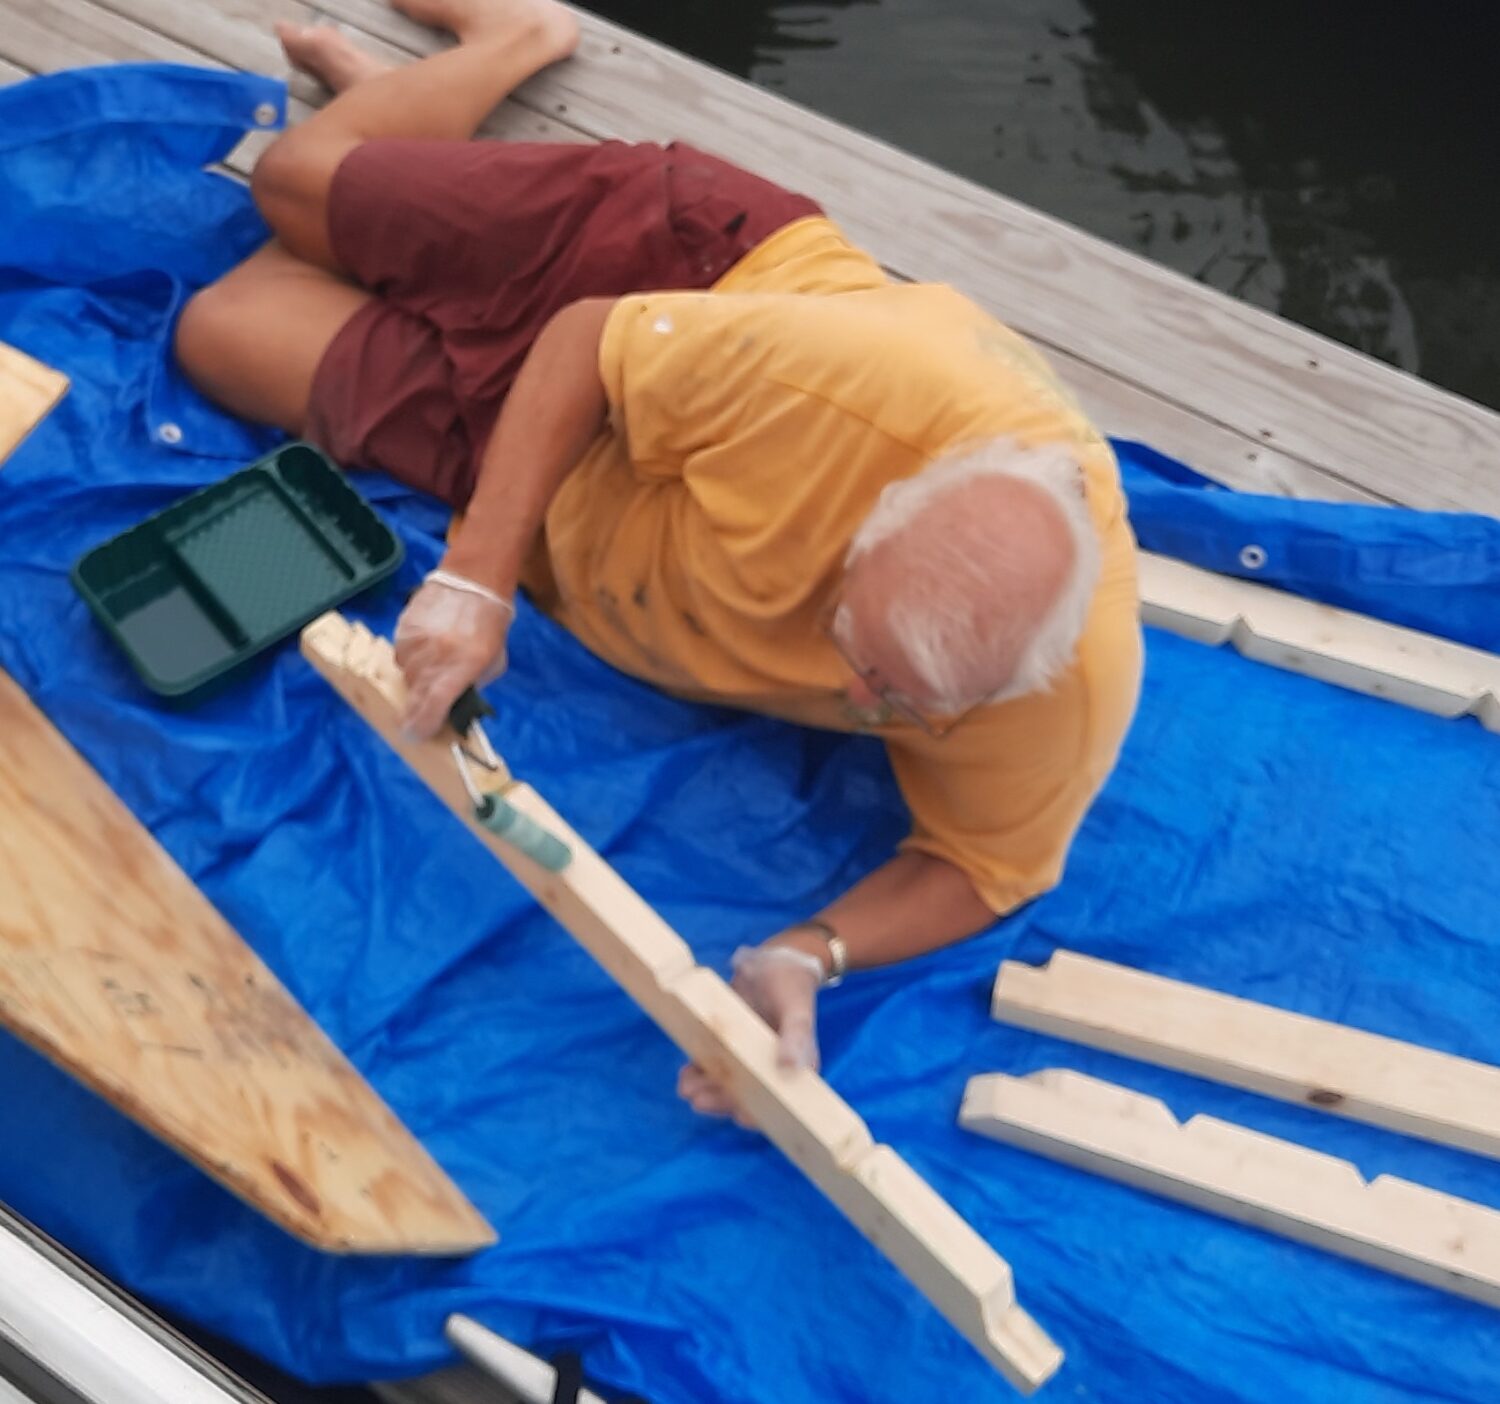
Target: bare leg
252, 341
502, 43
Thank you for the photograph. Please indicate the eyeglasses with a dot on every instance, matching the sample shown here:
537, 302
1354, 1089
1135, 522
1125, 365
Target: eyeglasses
892, 702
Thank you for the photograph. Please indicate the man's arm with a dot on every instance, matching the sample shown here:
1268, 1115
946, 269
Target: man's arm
914, 904
554, 411
452, 635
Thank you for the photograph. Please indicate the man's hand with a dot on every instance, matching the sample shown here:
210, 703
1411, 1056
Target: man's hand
450, 637
781, 984
915, 903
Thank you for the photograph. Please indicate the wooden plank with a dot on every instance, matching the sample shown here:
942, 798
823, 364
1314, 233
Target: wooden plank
1364, 1076
48, 35
1335, 645
1373, 426
1387, 1223
941, 1254
9, 73
116, 967
236, 33
239, 34
1126, 411
28, 391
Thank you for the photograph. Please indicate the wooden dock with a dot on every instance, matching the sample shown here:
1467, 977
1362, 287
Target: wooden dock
1238, 393
1242, 395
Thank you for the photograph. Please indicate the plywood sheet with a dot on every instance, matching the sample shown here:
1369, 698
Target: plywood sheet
28, 390
115, 966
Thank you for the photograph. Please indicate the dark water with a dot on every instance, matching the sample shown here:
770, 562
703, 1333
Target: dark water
1333, 162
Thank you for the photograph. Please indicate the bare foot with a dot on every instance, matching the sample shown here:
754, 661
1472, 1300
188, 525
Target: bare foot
475, 19
328, 55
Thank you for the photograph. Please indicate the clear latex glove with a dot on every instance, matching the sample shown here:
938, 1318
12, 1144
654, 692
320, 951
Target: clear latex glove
781, 984
451, 636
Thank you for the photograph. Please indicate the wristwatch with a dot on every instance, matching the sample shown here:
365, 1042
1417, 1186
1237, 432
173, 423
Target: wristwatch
838, 952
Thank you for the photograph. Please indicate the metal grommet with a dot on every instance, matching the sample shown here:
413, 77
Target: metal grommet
265, 114
1253, 557
170, 433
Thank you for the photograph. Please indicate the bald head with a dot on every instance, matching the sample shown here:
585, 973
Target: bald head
971, 581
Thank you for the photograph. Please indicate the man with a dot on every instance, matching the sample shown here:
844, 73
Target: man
786, 484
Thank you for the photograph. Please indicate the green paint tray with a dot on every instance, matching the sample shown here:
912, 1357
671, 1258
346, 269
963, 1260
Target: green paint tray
203, 586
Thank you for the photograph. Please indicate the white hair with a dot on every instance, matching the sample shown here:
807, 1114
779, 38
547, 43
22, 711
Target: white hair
953, 643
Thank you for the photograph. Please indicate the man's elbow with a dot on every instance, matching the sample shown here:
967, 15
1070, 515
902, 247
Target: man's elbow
582, 319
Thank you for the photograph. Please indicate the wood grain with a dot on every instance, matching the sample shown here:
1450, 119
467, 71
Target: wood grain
1363, 1076
116, 967
1388, 1223
28, 390
963, 1277
48, 35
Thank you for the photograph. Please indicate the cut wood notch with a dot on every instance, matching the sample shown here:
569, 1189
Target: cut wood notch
1256, 1179
1333, 645
117, 968
1364, 1076
28, 390
895, 1208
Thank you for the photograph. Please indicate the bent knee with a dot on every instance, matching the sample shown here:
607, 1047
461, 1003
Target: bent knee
280, 176
290, 186
206, 330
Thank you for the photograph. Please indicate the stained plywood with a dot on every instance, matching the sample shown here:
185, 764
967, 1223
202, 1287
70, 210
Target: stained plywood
116, 967
898, 1211
28, 390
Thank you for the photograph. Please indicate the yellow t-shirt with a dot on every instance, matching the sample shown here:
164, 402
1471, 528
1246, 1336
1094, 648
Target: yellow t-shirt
751, 429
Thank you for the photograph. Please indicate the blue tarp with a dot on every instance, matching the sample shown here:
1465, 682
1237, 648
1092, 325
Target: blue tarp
1264, 834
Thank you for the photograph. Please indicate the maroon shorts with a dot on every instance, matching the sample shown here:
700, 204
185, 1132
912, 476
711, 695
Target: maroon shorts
472, 247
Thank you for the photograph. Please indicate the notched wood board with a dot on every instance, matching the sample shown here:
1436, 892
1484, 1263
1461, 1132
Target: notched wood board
1449, 1243
119, 970
1333, 645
